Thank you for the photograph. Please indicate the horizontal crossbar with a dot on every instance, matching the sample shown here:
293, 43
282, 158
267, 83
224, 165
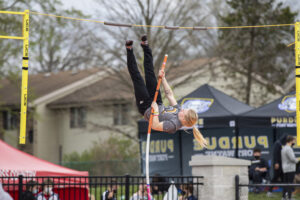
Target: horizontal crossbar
11, 37
12, 13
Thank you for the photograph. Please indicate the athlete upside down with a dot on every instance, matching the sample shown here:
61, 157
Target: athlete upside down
166, 119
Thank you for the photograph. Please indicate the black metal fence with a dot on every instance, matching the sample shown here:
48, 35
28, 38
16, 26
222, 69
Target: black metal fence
102, 187
238, 186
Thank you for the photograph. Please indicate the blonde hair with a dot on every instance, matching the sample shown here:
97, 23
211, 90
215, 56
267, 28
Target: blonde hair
191, 119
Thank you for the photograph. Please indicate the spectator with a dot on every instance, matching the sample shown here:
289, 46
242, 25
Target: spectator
159, 184
187, 193
289, 162
31, 191
4, 195
111, 192
142, 193
47, 191
259, 167
276, 161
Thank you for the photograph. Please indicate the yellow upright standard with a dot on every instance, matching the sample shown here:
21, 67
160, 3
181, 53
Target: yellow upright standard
24, 87
297, 71
24, 77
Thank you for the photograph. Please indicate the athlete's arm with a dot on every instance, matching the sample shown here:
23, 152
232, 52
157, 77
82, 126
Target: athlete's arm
156, 124
168, 91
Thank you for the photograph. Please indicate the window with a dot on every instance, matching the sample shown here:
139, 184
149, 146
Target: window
78, 117
10, 120
121, 114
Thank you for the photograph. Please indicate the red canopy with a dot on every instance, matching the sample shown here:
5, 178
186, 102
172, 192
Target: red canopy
15, 162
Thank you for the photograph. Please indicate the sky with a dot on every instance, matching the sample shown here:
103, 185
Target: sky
88, 6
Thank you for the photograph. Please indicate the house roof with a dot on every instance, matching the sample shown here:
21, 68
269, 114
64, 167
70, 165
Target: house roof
107, 89
118, 86
39, 85
179, 69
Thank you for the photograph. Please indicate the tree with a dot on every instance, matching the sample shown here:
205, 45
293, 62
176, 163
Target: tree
113, 156
10, 26
179, 45
60, 44
55, 44
261, 51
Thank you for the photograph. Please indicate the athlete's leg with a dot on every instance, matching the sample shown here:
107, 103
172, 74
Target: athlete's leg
151, 81
143, 100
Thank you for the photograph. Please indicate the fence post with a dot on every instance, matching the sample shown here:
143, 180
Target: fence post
237, 188
20, 187
127, 186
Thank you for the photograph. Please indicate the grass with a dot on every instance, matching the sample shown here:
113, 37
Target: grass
263, 196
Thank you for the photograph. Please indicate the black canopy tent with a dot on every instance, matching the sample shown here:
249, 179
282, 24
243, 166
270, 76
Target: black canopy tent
280, 113
170, 154
275, 119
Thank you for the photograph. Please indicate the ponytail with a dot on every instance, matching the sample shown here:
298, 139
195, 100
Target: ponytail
199, 137
191, 119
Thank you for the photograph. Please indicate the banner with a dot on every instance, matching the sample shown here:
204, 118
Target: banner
219, 140
164, 157
262, 138
222, 142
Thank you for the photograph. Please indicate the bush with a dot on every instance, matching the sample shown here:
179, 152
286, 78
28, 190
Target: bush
107, 158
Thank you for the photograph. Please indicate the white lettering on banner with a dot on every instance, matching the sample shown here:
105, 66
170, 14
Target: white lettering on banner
10, 173
158, 158
245, 153
230, 153
220, 153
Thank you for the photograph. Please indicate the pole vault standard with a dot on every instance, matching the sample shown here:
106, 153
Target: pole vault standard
24, 87
297, 72
149, 130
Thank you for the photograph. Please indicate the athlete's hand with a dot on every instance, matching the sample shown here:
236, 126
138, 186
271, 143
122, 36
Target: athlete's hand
276, 166
161, 73
154, 106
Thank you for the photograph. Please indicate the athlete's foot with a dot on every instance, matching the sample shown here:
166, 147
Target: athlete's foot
129, 44
144, 41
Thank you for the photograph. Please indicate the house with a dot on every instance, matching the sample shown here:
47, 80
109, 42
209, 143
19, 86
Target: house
70, 110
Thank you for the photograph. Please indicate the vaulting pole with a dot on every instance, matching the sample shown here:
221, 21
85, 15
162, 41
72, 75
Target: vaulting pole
24, 86
149, 130
297, 71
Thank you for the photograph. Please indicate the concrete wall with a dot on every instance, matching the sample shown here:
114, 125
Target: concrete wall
219, 176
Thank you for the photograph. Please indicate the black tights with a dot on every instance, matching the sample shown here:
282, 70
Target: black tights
288, 178
144, 94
